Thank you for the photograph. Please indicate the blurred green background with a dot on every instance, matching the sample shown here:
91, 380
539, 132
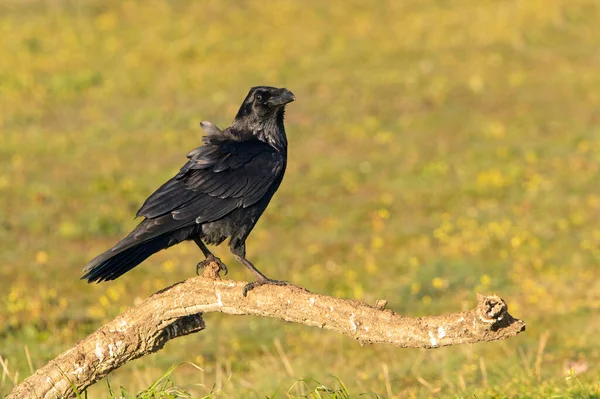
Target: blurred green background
437, 149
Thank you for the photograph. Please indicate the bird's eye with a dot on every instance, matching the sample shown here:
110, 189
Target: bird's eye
258, 97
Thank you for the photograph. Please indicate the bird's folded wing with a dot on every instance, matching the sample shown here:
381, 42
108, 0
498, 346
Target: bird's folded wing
216, 180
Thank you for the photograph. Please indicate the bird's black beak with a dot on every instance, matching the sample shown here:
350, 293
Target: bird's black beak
284, 96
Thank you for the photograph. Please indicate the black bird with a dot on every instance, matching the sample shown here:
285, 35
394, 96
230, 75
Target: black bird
220, 192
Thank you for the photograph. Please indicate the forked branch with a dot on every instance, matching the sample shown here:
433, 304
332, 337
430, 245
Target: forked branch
177, 311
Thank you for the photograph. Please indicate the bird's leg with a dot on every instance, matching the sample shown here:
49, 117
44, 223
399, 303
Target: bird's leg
240, 254
209, 258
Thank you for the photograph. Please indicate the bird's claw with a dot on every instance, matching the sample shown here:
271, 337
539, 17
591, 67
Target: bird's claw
258, 283
210, 259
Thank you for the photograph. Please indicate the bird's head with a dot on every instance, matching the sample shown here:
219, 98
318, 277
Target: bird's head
264, 102
262, 113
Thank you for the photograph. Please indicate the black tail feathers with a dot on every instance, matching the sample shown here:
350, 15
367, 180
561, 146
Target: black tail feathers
112, 264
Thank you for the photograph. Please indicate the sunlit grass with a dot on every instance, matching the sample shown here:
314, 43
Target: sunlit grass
437, 149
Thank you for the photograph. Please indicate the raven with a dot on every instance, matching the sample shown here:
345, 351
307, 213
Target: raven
220, 192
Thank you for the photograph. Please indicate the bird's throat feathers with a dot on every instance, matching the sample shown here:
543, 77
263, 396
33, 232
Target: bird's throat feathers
267, 128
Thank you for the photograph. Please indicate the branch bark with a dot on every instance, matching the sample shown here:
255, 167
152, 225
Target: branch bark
177, 311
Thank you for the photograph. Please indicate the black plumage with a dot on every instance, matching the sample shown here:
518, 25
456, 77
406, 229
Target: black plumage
220, 192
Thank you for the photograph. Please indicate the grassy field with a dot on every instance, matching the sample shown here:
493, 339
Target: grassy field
437, 149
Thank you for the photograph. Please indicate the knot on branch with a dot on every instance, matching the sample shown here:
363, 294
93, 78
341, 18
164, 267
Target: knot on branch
493, 310
380, 304
211, 271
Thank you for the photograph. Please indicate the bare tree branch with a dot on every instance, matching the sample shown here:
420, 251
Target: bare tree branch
177, 311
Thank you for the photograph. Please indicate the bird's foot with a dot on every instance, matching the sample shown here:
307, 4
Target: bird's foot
258, 283
211, 259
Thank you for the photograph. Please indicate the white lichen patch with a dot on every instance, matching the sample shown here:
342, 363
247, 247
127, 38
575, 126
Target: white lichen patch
353, 324
122, 325
432, 338
219, 301
441, 332
312, 301
99, 352
111, 350
78, 370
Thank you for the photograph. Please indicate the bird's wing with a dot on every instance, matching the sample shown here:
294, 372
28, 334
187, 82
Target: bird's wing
217, 179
